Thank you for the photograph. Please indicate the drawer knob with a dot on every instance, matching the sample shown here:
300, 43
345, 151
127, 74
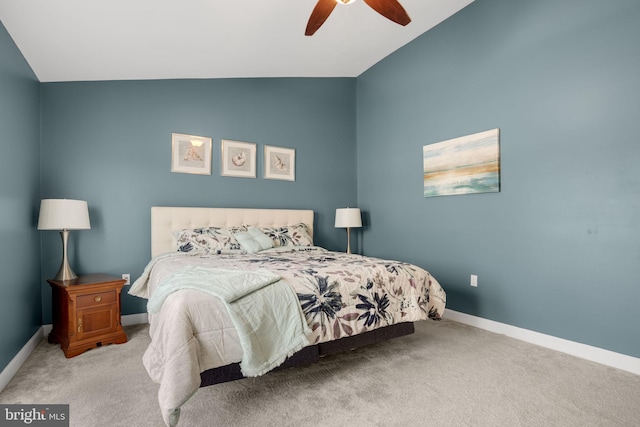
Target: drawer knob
97, 299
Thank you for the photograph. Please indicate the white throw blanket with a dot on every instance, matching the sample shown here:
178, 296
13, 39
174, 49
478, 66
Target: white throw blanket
251, 298
265, 312
228, 285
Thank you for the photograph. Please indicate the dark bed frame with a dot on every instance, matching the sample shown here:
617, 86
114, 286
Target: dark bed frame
313, 353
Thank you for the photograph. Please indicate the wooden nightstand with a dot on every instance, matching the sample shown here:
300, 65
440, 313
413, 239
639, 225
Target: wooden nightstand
86, 313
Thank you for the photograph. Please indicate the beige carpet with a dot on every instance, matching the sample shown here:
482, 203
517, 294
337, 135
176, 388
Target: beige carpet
446, 374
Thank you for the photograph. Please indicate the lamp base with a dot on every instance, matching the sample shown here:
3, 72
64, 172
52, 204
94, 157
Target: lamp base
65, 272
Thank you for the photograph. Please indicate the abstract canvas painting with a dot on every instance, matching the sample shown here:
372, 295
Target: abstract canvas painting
466, 165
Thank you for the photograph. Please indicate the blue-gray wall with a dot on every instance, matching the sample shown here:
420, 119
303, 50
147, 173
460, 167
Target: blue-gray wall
20, 312
109, 143
557, 250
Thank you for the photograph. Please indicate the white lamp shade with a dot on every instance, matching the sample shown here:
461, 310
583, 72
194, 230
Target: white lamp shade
348, 218
63, 214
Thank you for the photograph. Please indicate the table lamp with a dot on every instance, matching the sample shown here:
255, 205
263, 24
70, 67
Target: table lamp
64, 215
348, 218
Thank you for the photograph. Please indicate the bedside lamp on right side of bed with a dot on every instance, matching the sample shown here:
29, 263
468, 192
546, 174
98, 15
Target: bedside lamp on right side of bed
348, 218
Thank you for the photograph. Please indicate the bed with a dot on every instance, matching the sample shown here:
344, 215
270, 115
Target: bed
239, 292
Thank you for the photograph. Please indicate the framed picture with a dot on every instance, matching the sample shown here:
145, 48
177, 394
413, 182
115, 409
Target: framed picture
238, 159
466, 165
279, 163
190, 154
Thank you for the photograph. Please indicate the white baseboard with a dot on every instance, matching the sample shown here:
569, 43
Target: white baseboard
594, 354
134, 319
12, 368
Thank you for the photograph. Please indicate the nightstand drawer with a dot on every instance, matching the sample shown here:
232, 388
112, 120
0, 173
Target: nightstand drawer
99, 298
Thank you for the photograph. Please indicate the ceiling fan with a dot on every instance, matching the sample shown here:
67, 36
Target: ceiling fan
390, 9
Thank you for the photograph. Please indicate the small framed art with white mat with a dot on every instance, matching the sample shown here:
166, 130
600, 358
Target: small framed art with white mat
279, 163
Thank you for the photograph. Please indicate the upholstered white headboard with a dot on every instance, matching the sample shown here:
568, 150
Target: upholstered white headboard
166, 220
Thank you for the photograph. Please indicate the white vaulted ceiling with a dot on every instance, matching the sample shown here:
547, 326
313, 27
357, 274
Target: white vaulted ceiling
79, 40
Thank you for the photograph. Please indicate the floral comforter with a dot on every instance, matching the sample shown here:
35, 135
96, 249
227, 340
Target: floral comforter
340, 295
344, 294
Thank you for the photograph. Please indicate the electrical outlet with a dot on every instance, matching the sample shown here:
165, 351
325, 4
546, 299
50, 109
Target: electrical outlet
127, 277
474, 280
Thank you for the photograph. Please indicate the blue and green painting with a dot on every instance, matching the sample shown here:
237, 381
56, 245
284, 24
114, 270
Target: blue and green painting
466, 165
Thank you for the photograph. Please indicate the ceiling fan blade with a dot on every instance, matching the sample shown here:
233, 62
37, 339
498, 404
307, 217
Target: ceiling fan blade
320, 14
390, 9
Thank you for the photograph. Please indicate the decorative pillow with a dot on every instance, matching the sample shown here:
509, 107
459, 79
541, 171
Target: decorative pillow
264, 240
224, 235
253, 240
292, 235
195, 243
209, 240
